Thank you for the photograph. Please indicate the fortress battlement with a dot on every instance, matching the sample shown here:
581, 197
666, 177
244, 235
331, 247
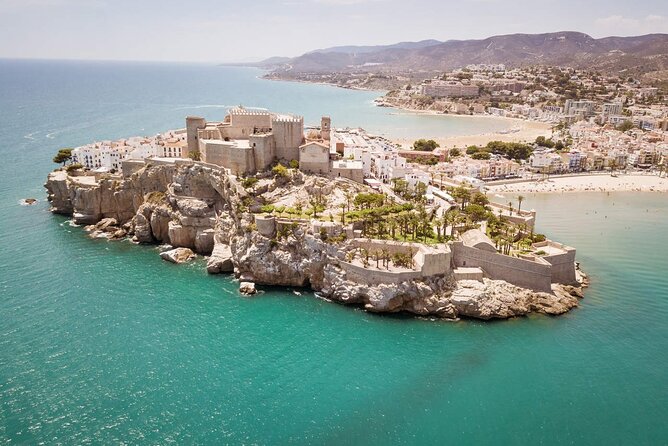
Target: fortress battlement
288, 119
247, 112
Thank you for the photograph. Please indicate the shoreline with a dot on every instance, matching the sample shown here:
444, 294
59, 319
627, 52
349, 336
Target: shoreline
520, 131
586, 183
527, 131
329, 84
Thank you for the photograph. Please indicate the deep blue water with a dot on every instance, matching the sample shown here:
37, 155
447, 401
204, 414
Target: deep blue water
102, 342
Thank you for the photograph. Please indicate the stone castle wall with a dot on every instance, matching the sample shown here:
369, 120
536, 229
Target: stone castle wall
193, 125
264, 150
563, 265
288, 134
314, 158
535, 275
240, 160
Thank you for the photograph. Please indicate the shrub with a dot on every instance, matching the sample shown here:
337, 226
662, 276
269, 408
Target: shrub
294, 164
280, 170
73, 166
155, 197
249, 182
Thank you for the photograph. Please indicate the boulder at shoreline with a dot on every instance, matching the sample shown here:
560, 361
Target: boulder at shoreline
178, 255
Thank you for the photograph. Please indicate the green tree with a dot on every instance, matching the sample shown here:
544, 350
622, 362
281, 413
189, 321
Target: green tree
461, 194
425, 145
455, 152
625, 126
520, 199
476, 212
479, 198
481, 156
63, 156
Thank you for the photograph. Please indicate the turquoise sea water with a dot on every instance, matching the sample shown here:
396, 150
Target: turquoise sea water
104, 343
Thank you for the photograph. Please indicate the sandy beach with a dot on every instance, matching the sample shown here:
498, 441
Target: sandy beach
519, 130
584, 183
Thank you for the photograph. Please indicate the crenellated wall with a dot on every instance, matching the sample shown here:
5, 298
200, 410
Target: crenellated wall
288, 134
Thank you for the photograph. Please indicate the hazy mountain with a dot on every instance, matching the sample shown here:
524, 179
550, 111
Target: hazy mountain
354, 49
639, 54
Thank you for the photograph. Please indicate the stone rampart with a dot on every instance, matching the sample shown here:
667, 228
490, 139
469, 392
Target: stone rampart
563, 263
359, 274
535, 275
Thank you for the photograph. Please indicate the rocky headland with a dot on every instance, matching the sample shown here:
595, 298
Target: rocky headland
205, 211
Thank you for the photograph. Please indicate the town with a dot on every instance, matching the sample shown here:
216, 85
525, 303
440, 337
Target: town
598, 123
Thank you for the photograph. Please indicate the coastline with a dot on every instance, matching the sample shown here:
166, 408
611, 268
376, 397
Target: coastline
586, 183
520, 131
329, 84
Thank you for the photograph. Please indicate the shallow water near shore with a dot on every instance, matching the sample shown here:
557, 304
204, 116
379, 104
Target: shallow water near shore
103, 342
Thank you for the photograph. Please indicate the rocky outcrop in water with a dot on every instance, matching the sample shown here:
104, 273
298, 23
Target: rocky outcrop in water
196, 208
220, 260
448, 298
174, 204
178, 255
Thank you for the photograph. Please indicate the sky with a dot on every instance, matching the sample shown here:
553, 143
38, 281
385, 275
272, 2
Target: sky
248, 30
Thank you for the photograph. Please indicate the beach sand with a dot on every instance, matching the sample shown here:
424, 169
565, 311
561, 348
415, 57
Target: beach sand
520, 130
583, 183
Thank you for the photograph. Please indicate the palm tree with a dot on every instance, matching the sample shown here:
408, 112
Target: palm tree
520, 199
349, 198
392, 225
510, 205
386, 258
437, 223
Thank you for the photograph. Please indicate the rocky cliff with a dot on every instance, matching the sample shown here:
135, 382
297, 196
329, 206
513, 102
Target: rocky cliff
188, 205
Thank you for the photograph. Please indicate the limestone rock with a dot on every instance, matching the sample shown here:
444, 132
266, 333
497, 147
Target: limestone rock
220, 260
159, 222
247, 288
193, 207
142, 229
183, 236
294, 262
204, 241
178, 255
107, 224
58, 193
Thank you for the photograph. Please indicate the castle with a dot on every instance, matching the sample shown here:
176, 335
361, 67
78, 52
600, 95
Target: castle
251, 140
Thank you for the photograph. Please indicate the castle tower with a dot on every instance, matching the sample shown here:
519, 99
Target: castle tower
288, 133
325, 127
193, 123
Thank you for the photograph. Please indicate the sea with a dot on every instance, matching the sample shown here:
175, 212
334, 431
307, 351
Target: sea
104, 343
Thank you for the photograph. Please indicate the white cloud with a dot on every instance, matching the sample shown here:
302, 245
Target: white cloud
620, 25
